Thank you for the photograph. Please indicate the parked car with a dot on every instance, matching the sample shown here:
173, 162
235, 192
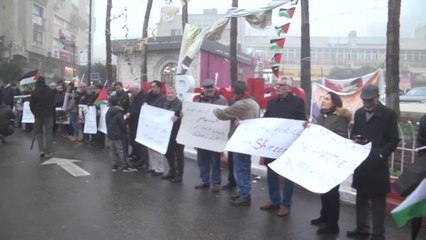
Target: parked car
417, 94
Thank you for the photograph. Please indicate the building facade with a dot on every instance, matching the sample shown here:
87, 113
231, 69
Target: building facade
349, 52
49, 35
212, 62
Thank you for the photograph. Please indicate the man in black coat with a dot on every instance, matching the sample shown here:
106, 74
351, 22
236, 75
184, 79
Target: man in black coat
6, 115
139, 154
377, 124
42, 105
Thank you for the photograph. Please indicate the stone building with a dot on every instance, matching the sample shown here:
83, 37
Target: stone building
212, 62
49, 35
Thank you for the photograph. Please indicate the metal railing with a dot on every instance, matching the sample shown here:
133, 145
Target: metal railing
405, 153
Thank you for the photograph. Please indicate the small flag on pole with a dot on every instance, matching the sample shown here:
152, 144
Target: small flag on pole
276, 59
276, 71
29, 77
277, 43
283, 29
102, 97
288, 13
294, 2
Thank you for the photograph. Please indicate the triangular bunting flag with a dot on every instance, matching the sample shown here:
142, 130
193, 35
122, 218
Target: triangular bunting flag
29, 77
276, 59
277, 43
288, 13
276, 71
283, 29
294, 2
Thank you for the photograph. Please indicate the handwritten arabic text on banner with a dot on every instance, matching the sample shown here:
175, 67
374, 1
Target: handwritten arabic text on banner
201, 129
154, 128
265, 137
319, 159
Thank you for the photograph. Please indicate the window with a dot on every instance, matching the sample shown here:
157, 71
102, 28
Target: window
37, 15
168, 74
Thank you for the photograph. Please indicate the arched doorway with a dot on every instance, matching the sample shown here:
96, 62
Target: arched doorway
168, 74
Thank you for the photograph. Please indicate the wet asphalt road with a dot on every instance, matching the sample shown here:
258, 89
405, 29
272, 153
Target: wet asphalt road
46, 202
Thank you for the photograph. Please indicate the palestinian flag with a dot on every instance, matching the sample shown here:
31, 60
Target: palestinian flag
413, 206
288, 13
29, 77
277, 43
277, 58
294, 2
102, 97
276, 71
283, 29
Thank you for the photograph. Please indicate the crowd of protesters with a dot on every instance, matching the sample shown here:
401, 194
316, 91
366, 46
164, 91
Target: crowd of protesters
128, 155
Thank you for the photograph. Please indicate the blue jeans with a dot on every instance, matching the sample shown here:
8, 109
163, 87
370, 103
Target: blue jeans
74, 123
242, 173
274, 188
209, 161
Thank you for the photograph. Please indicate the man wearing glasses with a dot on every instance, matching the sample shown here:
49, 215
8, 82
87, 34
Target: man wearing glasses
209, 161
289, 106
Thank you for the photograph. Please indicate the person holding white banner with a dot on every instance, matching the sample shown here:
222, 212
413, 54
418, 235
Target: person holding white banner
209, 161
244, 108
336, 119
289, 106
156, 160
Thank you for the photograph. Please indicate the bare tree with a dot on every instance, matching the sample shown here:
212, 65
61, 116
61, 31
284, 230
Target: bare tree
144, 67
305, 56
233, 47
184, 14
392, 55
108, 42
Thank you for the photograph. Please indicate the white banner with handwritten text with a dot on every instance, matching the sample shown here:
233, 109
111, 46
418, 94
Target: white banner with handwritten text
27, 115
90, 120
265, 137
154, 128
102, 123
319, 159
201, 129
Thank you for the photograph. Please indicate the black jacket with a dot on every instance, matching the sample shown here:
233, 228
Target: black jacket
116, 127
175, 106
5, 115
123, 100
156, 100
372, 176
289, 107
42, 102
135, 106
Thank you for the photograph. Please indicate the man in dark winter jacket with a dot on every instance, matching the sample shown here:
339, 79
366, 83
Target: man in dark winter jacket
6, 115
116, 133
174, 154
42, 105
377, 124
139, 154
123, 98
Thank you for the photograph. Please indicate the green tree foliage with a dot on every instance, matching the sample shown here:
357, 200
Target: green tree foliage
10, 72
343, 73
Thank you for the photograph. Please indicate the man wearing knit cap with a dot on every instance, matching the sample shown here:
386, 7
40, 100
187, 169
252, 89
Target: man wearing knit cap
209, 161
377, 124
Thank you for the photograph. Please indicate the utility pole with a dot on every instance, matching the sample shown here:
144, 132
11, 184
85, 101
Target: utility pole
89, 49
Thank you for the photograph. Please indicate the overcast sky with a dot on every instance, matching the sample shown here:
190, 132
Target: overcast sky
327, 17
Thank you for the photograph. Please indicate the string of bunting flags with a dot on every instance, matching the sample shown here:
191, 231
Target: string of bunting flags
277, 45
